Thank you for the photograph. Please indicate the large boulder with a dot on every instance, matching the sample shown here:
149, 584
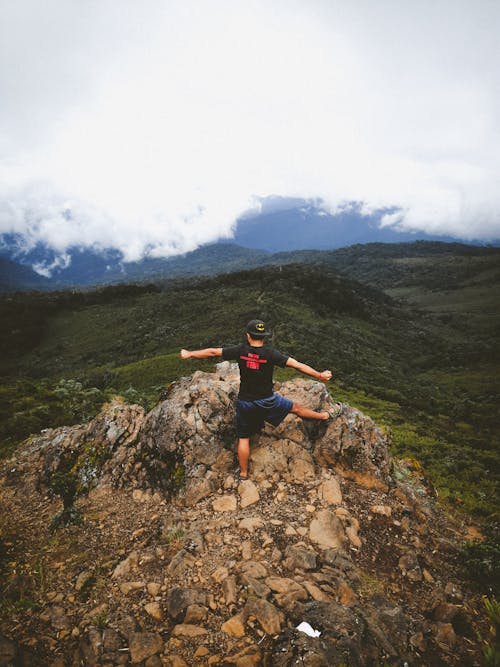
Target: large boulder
355, 447
187, 442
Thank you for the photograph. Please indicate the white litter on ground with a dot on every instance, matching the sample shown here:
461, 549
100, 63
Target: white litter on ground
308, 630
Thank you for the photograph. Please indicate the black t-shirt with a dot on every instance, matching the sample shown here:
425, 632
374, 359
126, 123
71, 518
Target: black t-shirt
256, 368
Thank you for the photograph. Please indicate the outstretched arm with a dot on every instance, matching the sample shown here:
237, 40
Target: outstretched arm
202, 354
324, 376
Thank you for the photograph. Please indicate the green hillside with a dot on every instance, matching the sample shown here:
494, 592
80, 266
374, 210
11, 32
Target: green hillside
418, 373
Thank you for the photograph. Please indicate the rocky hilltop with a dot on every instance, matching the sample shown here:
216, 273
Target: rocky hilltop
129, 541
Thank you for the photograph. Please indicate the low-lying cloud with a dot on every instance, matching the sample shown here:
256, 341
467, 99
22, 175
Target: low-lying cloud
150, 127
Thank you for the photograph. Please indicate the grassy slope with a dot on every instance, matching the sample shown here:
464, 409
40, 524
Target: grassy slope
423, 374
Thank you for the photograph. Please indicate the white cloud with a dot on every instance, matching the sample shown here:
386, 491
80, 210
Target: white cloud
156, 124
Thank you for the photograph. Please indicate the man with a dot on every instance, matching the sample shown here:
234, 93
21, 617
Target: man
257, 402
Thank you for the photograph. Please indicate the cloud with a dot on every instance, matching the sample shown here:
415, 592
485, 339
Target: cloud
152, 126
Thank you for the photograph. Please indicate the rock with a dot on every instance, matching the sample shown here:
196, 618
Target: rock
248, 657
83, 579
356, 448
220, 574
153, 588
408, 564
253, 569
229, 590
315, 592
111, 640
287, 591
196, 489
195, 613
300, 558
90, 648
347, 596
225, 503
126, 565
249, 493
186, 630
57, 617
153, 661
351, 526
384, 510
180, 563
251, 524
282, 458
178, 600
235, 626
445, 636
255, 586
330, 492
326, 531
453, 591
246, 550
446, 612
154, 610
129, 586
143, 645
417, 641
176, 661
269, 618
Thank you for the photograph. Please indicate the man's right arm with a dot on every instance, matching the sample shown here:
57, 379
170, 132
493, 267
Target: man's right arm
324, 376
202, 354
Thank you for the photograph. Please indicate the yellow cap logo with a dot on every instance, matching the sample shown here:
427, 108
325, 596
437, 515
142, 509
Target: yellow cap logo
260, 326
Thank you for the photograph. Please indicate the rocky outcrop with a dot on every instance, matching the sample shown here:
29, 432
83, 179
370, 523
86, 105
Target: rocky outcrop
186, 443
174, 562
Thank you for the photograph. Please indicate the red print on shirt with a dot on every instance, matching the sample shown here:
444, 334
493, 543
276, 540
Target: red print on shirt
253, 361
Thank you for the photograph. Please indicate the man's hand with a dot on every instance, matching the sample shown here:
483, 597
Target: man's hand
185, 354
325, 376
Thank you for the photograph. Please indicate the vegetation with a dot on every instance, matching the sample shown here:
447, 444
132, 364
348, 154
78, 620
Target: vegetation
425, 365
491, 645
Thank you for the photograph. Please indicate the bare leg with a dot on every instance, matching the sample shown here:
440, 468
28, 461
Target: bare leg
306, 413
243, 455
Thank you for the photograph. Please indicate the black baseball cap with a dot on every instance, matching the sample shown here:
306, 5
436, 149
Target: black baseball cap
257, 329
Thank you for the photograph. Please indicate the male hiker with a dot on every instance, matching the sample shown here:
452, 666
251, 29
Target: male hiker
256, 401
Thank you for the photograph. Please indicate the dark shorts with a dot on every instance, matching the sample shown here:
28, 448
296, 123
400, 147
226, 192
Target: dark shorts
251, 415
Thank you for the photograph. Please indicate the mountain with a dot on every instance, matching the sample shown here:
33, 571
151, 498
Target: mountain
129, 538
85, 268
19, 277
366, 262
282, 225
301, 224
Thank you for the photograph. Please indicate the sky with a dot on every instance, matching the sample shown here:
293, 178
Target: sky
152, 126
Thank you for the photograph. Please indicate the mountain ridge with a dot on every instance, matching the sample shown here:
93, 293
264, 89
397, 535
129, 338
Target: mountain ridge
91, 271
281, 225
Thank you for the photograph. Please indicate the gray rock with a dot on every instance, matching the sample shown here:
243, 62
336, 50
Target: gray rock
300, 558
180, 563
178, 600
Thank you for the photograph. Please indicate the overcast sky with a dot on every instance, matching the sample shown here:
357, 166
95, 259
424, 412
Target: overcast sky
154, 124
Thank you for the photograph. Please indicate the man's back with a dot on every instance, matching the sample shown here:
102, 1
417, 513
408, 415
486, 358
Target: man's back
256, 365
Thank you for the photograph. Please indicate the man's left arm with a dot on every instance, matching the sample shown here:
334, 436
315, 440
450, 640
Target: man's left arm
324, 376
